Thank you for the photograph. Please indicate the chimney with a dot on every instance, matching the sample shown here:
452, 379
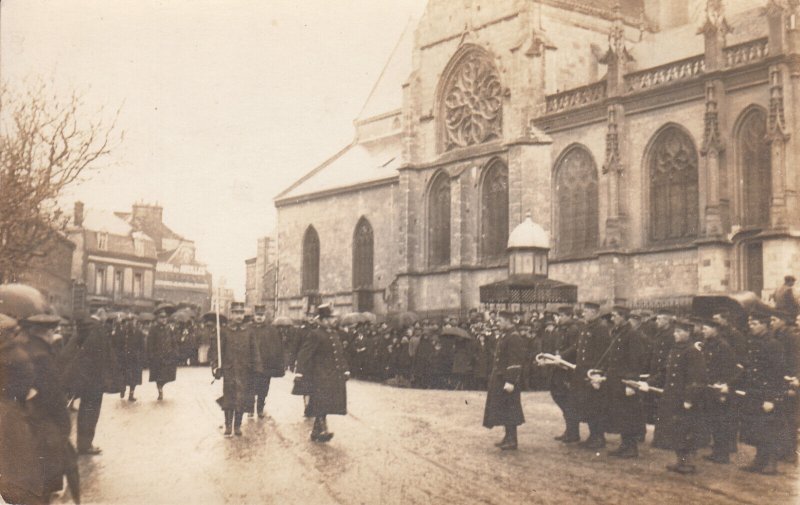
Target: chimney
77, 215
148, 214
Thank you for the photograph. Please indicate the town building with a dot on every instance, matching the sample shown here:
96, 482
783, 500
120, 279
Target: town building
180, 278
113, 265
50, 271
655, 141
260, 274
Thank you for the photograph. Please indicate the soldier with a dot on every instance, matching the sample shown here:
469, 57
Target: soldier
593, 342
679, 407
564, 343
735, 338
270, 351
131, 356
321, 365
763, 383
240, 359
721, 372
785, 301
162, 349
503, 401
786, 333
662, 341
625, 361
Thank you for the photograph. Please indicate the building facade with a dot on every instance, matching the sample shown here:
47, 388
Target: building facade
50, 271
260, 275
180, 278
113, 266
655, 141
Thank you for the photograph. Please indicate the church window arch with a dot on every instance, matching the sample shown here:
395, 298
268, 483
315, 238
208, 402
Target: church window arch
439, 221
310, 261
494, 211
363, 255
577, 218
755, 168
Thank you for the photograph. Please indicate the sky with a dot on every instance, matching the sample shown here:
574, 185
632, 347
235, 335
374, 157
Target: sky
223, 103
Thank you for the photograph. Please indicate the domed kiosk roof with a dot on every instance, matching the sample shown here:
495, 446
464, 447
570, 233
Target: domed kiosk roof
528, 235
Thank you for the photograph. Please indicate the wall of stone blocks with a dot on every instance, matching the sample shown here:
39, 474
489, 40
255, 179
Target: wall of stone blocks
664, 274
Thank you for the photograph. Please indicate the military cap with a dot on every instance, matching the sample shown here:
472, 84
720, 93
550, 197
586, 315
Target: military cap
665, 311
635, 314
566, 310
707, 321
761, 315
621, 310
237, 306
260, 309
164, 309
324, 310
591, 305
782, 314
685, 325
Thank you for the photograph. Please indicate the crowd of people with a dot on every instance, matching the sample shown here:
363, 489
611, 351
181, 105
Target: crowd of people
715, 379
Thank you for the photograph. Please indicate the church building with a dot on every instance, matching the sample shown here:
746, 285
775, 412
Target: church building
654, 140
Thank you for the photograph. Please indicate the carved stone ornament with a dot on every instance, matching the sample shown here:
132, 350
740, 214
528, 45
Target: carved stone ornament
715, 18
712, 140
612, 163
473, 103
617, 49
777, 121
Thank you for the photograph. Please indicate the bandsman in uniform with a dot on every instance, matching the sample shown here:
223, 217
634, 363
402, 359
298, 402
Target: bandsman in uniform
593, 342
564, 342
721, 372
270, 352
625, 361
322, 368
764, 385
680, 406
162, 349
786, 333
240, 360
503, 401
662, 341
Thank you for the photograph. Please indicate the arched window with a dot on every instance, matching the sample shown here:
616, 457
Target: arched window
362, 255
755, 168
494, 212
310, 261
439, 221
576, 203
471, 100
673, 186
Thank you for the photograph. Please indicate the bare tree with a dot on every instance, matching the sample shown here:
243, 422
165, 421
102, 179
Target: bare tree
45, 145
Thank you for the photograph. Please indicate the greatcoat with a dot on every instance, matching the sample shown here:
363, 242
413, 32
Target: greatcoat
502, 408
322, 363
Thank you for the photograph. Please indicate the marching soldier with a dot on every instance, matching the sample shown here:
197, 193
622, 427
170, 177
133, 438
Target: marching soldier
593, 341
565, 340
721, 372
625, 361
679, 407
503, 401
270, 352
162, 349
662, 341
131, 356
322, 369
735, 338
240, 359
786, 333
763, 383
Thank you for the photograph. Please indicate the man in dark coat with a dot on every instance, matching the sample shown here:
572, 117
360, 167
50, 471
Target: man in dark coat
564, 343
662, 340
162, 349
786, 333
503, 401
593, 342
131, 355
721, 372
321, 364
625, 361
679, 408
764, 385
46, 414
785, 301
240, 360
270, 352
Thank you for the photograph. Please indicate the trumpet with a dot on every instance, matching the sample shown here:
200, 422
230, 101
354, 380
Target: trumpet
547, 359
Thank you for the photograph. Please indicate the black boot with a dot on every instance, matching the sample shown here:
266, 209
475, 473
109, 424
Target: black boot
628, 449
317, 429
325, 435
130, 394
228, 422
237, 422
511, 439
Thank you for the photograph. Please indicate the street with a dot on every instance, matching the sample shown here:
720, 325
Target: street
397, 446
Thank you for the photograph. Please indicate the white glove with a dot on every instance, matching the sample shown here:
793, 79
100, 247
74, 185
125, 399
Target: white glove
768, 407
347, 375
508, 387
596, 384
629, 391
687, 405
32, 392
723, 389
794, 382
644, 387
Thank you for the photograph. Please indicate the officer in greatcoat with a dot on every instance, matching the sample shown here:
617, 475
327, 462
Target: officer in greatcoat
765, 388
593, 342
721, 372
680, 406
240, 360
270, 352
662, 340
503, 401
625, 360
131, 355
162, 349
322, 367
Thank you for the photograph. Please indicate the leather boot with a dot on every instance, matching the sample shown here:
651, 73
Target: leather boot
502, 442
316, 431
324, 435
228, 422
237, 422
511, 439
